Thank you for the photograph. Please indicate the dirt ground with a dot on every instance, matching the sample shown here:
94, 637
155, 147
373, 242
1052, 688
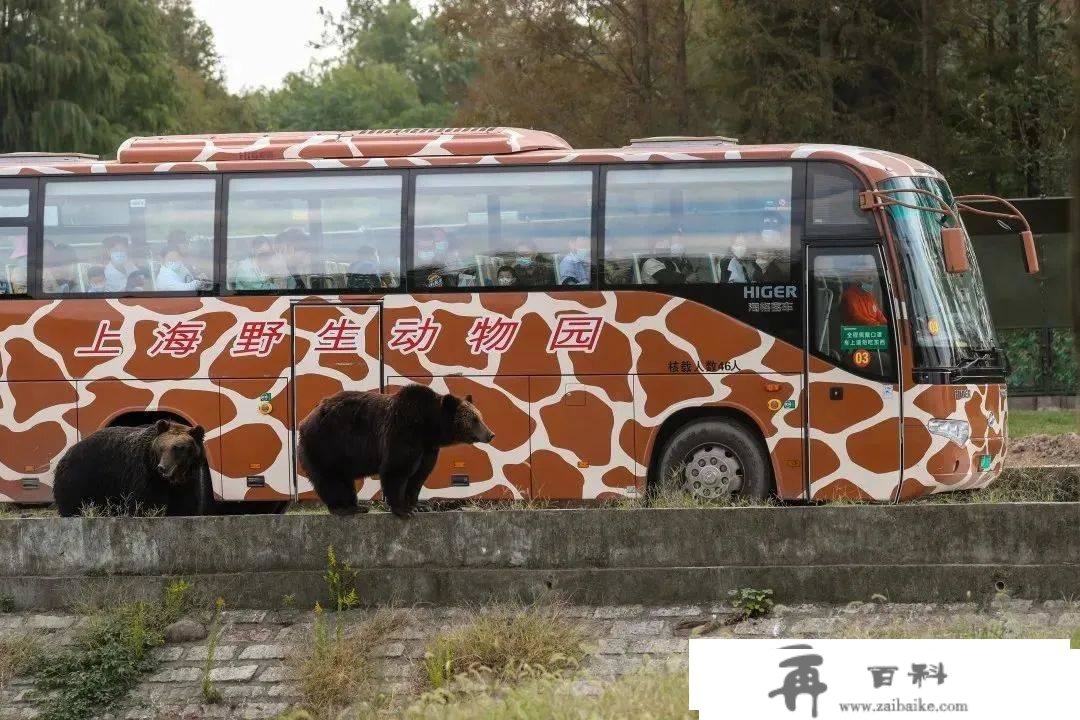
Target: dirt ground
1036, 450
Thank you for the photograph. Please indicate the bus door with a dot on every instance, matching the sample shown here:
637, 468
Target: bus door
853, 444
335, 347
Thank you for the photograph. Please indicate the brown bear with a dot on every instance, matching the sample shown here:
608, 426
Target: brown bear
133, 470
397, 437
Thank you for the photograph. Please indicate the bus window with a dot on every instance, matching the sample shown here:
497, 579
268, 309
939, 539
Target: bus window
833, 203
851, 325
672, 226
340, 232
127, 236
14, 203
509, 229
13, 253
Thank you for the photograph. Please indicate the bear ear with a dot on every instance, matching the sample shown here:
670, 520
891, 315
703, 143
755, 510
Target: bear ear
450, 403
197, 432
161, 426
468, 399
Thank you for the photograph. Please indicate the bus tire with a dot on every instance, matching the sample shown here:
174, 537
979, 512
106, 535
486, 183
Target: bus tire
715, 459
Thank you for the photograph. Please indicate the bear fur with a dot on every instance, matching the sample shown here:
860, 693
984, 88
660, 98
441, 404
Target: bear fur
134, 470
397, 437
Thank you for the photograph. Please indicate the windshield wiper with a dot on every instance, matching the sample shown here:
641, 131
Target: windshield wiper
979, 356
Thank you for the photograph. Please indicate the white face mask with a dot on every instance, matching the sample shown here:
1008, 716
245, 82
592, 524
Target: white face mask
738, 251
677, 249
505, 281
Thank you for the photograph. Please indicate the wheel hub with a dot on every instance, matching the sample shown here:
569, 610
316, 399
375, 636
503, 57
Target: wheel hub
712, 471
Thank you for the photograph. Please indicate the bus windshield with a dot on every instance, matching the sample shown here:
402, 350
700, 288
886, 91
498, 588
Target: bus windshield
949, 313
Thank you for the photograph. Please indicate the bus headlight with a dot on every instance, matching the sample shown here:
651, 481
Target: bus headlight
956, 430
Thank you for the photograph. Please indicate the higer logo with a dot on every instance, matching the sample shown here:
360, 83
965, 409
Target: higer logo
769, 292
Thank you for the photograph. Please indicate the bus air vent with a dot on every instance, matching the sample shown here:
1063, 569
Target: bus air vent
684, 141
349, 144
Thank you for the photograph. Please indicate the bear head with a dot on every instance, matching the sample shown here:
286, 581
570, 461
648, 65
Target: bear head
179, 450
464, 422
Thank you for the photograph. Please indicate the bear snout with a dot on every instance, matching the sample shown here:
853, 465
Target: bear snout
486, 437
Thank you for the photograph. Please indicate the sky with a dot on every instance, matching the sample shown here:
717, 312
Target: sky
261, 41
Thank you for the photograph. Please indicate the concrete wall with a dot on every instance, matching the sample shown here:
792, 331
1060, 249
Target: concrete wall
594, 556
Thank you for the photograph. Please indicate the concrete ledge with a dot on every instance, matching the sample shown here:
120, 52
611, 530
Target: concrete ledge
912, 553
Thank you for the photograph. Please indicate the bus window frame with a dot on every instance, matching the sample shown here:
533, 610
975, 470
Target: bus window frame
31, 223
890, 305
594, 227
840, 233
38, 244
221, 259
796, 228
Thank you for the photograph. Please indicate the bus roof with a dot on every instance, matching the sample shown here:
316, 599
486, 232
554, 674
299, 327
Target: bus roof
435, 147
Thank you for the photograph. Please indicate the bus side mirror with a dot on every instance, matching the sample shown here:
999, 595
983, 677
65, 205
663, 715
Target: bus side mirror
954, 246
1031, 258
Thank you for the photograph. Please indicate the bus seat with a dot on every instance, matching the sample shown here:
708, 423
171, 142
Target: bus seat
556, 258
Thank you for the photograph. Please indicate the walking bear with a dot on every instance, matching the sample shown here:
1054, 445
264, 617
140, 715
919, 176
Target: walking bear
133, 470
397, 437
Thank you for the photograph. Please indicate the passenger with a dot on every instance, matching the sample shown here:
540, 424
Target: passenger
430, 270
505, 276
257, 271
174, 273
736, 268
858, 302
661, 268
59, 275
532, 268
574, 267
294, 253
95, 278
457, 260
364, 273
137, 281
118, 265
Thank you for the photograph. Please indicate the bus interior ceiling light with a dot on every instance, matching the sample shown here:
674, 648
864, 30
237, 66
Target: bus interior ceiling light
956, 430
951, 236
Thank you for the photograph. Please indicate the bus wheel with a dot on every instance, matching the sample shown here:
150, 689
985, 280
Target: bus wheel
714, 459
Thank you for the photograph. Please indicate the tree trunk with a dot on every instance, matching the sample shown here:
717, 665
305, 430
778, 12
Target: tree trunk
682, 100
645, 78
930, 41
825, 62
1033, 123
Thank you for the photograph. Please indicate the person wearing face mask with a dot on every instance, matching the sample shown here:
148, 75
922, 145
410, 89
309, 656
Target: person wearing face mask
257, 272
430, 269
574, 267
735, 268
661, 268
59, 272
858, 302
95, 279
137, 281
505, 276
118, 264
174, 274
363, 274
530, 267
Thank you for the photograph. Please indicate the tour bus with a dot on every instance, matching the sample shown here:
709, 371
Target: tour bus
684, 314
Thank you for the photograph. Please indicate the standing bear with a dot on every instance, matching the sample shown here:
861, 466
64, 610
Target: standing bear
397, 437
134, 470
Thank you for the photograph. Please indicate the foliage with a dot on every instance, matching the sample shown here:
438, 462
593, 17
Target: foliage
106, 660
648, 693
340, 582
504, 641
339, 668
210, 692
18, 655
751, 602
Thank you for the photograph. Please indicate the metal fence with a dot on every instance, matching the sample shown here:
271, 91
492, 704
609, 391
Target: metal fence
1043, 360
1031, 312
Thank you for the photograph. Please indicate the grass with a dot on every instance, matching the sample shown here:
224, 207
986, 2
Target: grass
107, 659
18, 655
1049, 422
338, 669
504, 641
647, 693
